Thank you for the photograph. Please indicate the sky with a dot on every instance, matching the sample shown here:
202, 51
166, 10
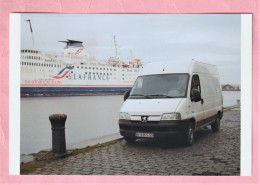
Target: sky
209, 38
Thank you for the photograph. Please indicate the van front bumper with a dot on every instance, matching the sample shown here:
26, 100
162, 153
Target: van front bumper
159, 129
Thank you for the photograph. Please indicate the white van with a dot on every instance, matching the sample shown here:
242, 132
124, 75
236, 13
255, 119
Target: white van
169, 99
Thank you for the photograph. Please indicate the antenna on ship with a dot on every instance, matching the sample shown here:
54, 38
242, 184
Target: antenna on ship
131, 54
116, 47
31, 32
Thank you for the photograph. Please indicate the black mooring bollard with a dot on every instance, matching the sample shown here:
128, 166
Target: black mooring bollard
58, 133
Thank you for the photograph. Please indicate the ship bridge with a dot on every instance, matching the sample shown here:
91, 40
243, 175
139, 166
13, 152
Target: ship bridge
74, 47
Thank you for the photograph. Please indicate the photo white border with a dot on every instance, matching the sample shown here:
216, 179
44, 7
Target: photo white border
246, 94
14, 94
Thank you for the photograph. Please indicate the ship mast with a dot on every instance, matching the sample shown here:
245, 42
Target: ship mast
116, 48
31, 32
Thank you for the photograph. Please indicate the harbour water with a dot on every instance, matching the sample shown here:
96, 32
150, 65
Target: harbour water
230, 97
88, 118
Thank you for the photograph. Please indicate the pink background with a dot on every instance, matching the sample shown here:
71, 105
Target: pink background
122, 6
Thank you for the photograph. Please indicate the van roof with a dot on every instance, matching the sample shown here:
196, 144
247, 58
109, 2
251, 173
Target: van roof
179, 67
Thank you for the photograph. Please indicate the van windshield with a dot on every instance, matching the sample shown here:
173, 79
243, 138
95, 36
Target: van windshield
160, 86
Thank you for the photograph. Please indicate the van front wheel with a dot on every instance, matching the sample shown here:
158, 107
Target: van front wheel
189, 134
216, 125
129, 139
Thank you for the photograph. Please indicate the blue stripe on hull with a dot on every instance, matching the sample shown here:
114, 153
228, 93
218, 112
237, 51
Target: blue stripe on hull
55, 91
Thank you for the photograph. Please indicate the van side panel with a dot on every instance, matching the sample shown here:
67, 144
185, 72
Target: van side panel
211, 95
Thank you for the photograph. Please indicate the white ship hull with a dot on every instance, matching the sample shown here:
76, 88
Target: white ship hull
72, 73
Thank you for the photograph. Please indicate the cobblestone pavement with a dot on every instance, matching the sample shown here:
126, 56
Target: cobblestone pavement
212, 154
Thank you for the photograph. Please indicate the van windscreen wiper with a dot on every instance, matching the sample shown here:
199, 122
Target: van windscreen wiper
139, 95
159, 95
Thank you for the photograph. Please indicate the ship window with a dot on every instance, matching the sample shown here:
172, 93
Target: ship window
86, 73
85, 67
89, 67
81, 67
104, 69
114, 69
100, 68
89, 72
110, 69
25, 51
93, 68
97, 68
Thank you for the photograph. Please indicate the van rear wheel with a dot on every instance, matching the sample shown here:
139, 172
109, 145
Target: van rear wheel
189, 134
216, 125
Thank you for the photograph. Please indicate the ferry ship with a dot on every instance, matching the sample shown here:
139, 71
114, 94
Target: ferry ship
74, 72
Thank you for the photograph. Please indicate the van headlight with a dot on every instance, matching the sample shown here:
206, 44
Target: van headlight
124, 115
171, 116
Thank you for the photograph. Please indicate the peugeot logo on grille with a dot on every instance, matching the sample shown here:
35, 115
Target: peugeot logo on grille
144, 119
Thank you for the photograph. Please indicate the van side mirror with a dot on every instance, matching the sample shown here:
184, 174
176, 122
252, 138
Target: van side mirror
195, 95
126, 95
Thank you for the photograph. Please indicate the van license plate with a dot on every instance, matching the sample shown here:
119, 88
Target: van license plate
147, 135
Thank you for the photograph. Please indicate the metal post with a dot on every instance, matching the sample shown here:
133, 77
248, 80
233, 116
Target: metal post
58, 133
